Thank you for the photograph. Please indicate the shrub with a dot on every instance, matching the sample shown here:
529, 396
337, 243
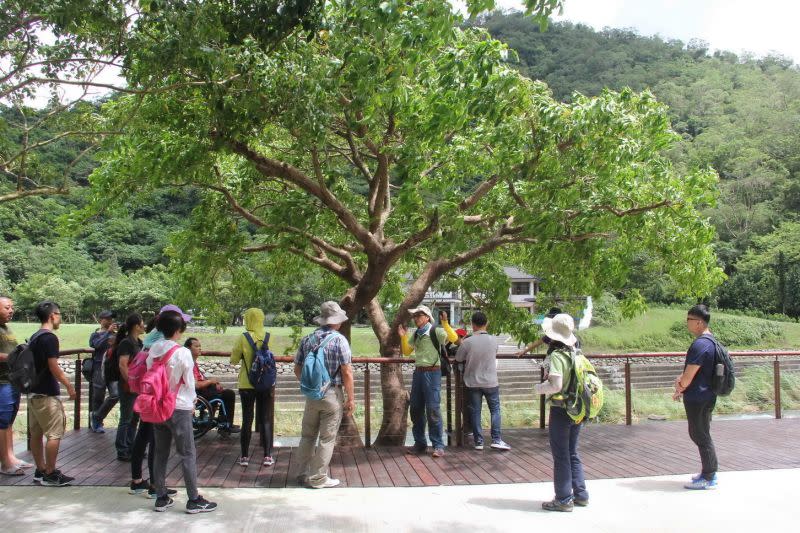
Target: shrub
734, 331
606, 311
290, 318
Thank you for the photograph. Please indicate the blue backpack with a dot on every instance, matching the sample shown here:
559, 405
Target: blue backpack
263, 371
315, 380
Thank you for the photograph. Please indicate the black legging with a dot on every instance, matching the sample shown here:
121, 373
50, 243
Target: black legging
145, 438
263, 418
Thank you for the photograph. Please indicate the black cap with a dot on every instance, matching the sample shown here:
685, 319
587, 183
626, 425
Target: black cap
107, 314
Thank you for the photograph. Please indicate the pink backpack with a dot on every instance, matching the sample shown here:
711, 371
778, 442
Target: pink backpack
156, 400
136, 370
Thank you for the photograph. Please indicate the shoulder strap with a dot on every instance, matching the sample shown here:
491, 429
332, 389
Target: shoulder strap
265, 342
435, 340
164, 359
251, 341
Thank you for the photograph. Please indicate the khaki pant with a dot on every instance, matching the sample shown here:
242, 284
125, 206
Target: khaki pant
321, 418
47, 417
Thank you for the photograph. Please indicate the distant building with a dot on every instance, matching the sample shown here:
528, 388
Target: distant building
522, 293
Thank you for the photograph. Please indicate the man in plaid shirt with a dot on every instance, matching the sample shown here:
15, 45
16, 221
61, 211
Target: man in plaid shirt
321, 418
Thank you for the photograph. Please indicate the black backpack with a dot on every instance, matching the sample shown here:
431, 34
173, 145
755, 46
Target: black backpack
723, 380
22, 367
442, 351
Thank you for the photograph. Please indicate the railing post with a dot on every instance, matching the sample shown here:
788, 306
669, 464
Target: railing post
459, 394
542, 402
77, 421
628, 417
90, 401
367, 428
776, 373
449, 391
28, 416
271, 415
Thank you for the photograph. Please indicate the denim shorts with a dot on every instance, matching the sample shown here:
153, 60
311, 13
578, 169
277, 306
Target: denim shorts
9, 405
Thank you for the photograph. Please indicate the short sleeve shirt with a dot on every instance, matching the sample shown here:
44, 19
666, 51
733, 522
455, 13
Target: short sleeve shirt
561, 364
480, 353
45, 347
7, 344
702, 352
337, 351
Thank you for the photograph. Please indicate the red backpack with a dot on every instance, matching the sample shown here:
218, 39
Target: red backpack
156, 400
136, 371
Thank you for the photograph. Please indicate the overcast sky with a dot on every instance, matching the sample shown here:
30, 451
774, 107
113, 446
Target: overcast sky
761, 27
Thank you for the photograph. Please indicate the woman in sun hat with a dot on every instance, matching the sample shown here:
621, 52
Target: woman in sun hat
568, 478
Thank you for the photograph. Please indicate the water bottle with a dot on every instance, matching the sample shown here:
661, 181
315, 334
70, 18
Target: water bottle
720, 369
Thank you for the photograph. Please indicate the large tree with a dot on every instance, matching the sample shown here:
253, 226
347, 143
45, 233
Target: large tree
394, 149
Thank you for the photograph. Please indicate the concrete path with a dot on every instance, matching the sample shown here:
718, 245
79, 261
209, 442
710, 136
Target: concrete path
745, 501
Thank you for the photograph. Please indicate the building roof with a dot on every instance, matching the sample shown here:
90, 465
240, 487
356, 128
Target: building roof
515, 273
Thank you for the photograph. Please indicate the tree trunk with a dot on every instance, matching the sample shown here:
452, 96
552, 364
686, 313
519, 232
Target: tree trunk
349, 434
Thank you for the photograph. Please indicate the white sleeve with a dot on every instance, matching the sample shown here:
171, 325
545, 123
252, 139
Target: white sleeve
551, 386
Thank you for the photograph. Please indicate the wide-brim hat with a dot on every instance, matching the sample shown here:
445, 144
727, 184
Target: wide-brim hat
424, 309
560, 328
176, 309
330, 313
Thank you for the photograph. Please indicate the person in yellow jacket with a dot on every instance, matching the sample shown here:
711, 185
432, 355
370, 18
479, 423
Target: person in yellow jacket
426, 383
252, 400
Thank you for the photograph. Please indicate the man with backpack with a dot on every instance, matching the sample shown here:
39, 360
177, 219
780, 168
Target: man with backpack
426, 383
322, 364
168, 385
99, 342
699, 399
479, 352
47, 417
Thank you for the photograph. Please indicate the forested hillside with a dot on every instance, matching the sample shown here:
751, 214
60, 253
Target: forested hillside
739, 115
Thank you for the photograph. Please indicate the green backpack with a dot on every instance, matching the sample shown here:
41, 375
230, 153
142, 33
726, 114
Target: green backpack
584, 396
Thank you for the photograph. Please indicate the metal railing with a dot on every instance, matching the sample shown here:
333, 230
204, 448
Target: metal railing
455, 384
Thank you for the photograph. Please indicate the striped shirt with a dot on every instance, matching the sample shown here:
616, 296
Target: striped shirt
337, 351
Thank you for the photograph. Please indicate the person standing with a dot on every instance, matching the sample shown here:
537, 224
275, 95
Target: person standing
254, 402
699, 400
178, 427
10, 465
321, 418
100, 340
568, 477
126, 345
426, 383
479, 352
47, 417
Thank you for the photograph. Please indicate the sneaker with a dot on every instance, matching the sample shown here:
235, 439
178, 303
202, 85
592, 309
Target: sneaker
243, 461
555, 505
328, 483
479, 446
438, 452
162, 503
95, 425
580, 502
415, 450
37, 476
697, 477
468, 434
124, 458
702, 484
235, 429
152, 494
138, 488
56, 479
200, 505
500, 445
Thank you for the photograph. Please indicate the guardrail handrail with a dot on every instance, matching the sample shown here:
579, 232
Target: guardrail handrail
459, 383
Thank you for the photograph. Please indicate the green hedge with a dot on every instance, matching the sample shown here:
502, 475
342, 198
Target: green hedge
734, 331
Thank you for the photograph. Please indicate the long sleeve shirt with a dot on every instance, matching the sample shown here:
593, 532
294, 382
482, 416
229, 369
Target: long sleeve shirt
420, 344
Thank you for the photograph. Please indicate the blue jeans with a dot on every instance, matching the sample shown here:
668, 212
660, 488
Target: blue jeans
492, 396
126, 430
568, 477
425, 404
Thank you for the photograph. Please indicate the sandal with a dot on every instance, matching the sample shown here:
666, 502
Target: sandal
24, 464
268, 461
243, 461
13, 471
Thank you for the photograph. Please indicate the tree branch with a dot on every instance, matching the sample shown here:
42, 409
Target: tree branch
479, 193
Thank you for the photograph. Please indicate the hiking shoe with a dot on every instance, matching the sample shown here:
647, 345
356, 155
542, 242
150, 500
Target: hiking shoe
200, 505
500, 445
153, 494
438, 452
162, 503
37, 476
555, 505
138, 488
479, 446
328, 483
56, 479
702, 484
580, 502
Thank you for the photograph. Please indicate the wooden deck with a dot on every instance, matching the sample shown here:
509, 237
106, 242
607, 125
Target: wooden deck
608, 451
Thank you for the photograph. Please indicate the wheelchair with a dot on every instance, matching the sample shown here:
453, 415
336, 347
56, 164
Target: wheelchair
208, 415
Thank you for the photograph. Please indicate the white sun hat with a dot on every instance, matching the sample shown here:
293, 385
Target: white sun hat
560, 328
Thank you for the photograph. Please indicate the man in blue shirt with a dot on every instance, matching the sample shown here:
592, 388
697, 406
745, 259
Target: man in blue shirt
694, 384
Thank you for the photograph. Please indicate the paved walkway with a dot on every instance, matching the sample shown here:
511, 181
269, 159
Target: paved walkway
608, 451
745, 501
